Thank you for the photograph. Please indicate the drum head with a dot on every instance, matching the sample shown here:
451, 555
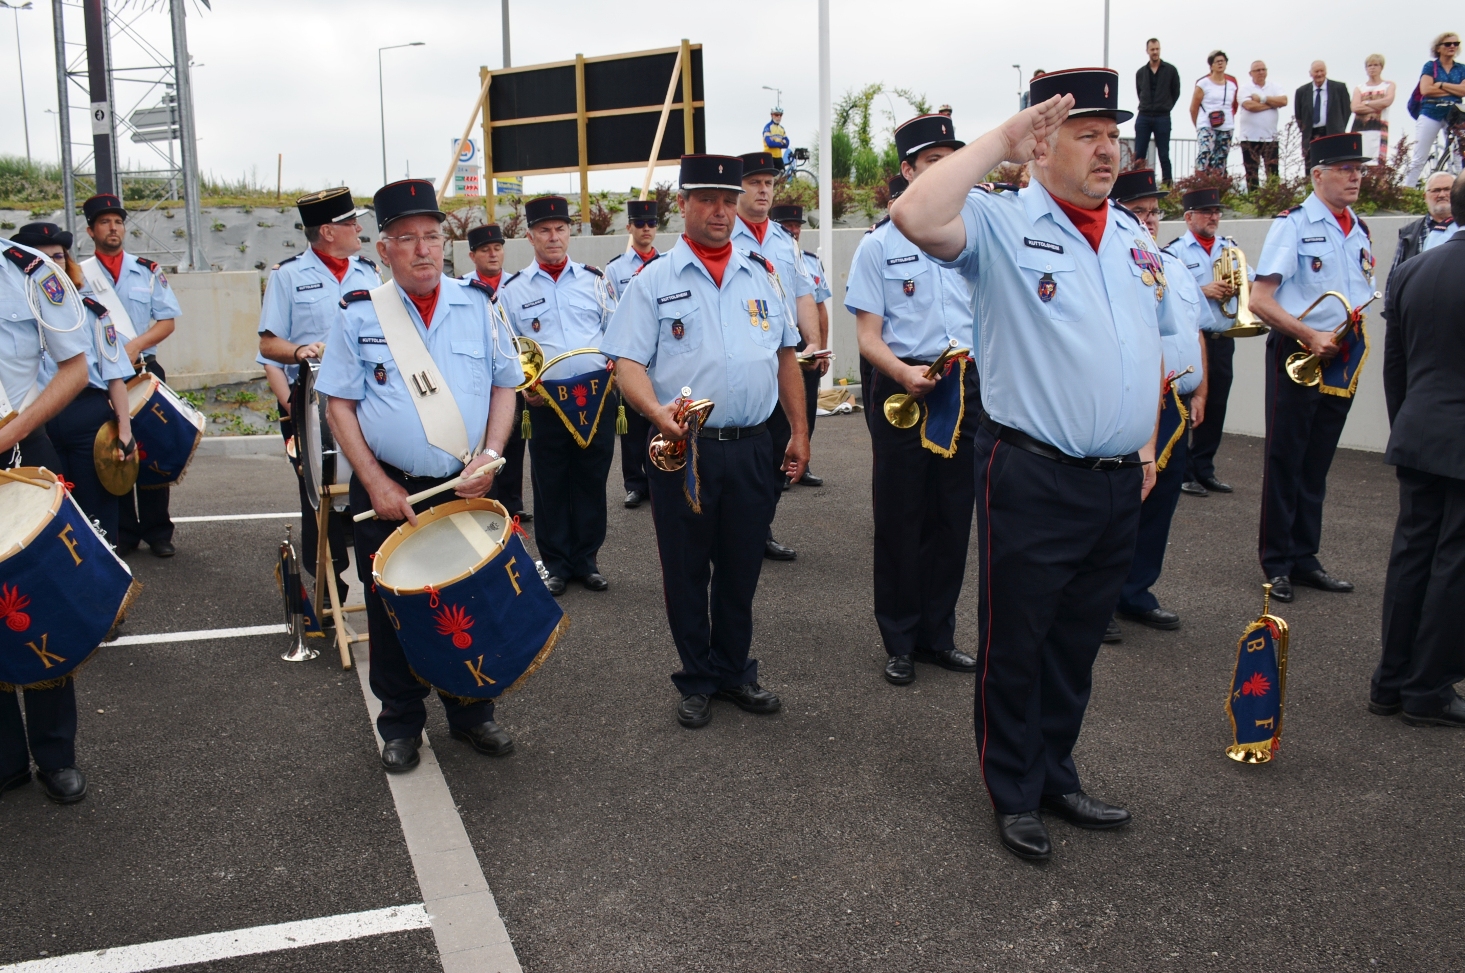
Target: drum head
26, 509
450, 542
321, 464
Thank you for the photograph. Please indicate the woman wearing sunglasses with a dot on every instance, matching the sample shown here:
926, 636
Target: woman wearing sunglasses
1441, 86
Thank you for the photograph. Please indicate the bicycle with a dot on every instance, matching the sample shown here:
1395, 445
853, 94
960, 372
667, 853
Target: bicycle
1446, 156
799, 169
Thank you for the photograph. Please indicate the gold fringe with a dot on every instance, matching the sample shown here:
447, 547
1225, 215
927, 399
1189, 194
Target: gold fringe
539, 660
960, 417
623, 425
526, 431
1163, 460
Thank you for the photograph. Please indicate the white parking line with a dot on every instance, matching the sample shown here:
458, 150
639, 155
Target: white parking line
215, 946
202, 520
199, 636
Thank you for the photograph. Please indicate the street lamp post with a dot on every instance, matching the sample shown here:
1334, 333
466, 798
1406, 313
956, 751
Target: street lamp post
15, 9
381, 98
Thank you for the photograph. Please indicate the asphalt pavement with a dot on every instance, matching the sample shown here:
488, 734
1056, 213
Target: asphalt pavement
851, 831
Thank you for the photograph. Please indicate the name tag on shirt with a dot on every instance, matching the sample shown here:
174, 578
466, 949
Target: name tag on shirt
910, 259
525, 307
679, 296
1191, 266
367, 340
1314, 239
1043, 245
310, 287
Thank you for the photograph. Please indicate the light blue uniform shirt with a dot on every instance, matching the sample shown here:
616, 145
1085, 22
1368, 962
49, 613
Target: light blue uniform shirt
562, 315
923, 304
20, 332
1306, 247
1081, 370
622, 270
1181, 314
145, 293
469, 351
690, 333
815, 267
1200, 266
303, 299
1437, 234
105, 359
781, 248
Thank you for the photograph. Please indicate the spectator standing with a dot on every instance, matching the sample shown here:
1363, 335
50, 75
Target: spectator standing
1321, 108
1158, 85
1371, 101
1256, 124
1214, 102
1441, 86
1429, 231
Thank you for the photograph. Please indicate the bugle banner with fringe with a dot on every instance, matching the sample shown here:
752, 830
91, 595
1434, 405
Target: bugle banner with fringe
307, 610
945, 407
1340, 373
1174, 419
580, 399
1258, 688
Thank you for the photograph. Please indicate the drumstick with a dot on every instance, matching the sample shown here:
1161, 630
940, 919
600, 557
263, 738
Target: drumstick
493, 467
44, 485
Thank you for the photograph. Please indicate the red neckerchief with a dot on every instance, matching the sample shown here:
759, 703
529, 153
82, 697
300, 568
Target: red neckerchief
714, 260
646, 256
426, 305
1205, 241
1345, 221
113, 264
1088, 222
491, 281
760, 230
336, 265
555, 271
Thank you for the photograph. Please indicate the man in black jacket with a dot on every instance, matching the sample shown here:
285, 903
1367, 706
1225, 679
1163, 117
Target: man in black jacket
1430, 231
1158, 86
1424, 594
1321, 107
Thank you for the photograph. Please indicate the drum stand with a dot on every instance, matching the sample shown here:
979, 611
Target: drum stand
326, 571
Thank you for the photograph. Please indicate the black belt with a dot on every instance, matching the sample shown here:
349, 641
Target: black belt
732, 432
1020, 439
407, 479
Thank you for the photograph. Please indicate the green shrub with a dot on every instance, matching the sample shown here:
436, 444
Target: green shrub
841, 154
868, 169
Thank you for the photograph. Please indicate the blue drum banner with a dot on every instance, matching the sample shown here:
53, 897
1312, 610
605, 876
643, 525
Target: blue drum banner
945, 409
579, 401
1258, 691
1340, 373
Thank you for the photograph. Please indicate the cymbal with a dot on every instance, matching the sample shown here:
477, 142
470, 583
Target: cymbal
117, 477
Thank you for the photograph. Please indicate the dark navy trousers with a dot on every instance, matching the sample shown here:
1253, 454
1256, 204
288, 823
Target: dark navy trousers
1054, 544
634, 460
710, 562
569, 491
143, 514
508, 483
1205, 440
1155, 516
73, 431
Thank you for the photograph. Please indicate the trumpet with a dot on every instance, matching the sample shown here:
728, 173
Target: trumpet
1230, 268
672, 456
531, 360
1306, 368
294, 595
902, 410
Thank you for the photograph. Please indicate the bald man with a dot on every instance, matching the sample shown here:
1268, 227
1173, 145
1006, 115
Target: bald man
1321, 107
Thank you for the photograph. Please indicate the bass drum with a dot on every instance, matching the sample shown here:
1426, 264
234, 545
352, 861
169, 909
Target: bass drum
322, 464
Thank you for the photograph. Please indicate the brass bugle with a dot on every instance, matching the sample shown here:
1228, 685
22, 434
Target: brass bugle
669, 457
531, 360
1306, 368
1230, 268
903, 410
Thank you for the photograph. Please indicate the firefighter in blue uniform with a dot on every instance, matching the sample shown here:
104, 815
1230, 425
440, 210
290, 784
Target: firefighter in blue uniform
393, 454
301, 301
908, 311
1068, 337
791, 218
707, 317
1317, 247
563, 305
642, 224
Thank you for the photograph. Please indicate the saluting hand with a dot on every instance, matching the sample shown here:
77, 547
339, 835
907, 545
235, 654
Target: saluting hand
1027, 132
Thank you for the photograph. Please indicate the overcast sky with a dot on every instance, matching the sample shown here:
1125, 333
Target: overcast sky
299, 77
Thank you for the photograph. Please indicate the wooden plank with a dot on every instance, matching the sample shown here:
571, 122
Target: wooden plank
490, 198
603, 113
689, 137
671, 90
592, 168
584, 144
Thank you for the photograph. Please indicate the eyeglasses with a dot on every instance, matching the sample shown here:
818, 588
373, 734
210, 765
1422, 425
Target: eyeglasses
1449, 44
434, 241
643, 224
1353, 170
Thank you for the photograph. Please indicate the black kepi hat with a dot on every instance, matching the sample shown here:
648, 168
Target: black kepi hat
544, 208
42, 234
1345, 147
1135, 184
641, 209
759, 163
405, 197
787, 213
481, 236
327, 206
1201, 199
1095, 92
102, 203
711, 172
924, 132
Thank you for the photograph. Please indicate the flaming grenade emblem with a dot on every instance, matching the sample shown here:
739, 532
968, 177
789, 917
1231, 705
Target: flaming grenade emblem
11, 603
456, 622
581, 394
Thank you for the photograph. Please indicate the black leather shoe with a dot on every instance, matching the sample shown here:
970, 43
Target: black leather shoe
634, 498
1113, 633
14, 781
751, 697
1194, 489
1384, 709
1282, 588
525, 517
1025, 835
1452, 715
64, 786
1154, 618
1322, 581
694, 711
1082, 811
555, 585
487, 737
787, 483
400, 755
775, 551
1214, 485
809, 479
595, 581
900, 670
161, 549
953, 659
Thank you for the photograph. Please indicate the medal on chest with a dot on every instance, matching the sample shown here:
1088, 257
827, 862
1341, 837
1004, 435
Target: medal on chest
758, 314
909, 287
1047, 287
380, 373
1366, 263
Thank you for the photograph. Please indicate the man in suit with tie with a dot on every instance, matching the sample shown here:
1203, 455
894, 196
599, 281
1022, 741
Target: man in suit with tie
1424, 593
1321, 107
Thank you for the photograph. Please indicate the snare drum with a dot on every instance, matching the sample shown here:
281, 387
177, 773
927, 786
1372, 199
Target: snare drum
470, 610
322, 464
61, 587
167, 429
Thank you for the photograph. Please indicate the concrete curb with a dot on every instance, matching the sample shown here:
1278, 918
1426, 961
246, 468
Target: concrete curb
269, 444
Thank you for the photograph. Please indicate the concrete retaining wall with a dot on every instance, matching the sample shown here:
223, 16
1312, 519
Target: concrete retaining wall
217, 334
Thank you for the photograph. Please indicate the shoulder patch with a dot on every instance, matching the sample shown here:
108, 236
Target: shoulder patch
285, 261
151, 265
95, 306
366, 260
477, 284
351, 297
506, 283
594, 270
767, 264
647, 264
1282, 214
878, 225
28, 262
810, 253
1125, 210
1366, 231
